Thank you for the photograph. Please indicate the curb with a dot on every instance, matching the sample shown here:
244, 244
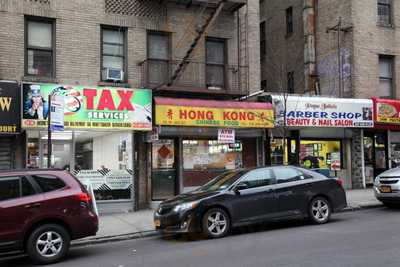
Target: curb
115, 238
152, 233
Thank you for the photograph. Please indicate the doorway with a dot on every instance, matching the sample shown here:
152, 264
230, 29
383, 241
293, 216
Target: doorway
375, 155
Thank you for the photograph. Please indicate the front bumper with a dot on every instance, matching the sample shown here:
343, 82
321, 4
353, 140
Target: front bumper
391, 197
185, 222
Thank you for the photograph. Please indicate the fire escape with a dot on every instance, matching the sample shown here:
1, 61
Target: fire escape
186, 74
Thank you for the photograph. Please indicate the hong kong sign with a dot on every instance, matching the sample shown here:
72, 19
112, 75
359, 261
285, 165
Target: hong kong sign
323, 111
89, 106
229, 114
10, 108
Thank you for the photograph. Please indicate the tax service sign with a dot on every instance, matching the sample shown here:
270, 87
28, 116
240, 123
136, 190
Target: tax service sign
89, 107
323, 112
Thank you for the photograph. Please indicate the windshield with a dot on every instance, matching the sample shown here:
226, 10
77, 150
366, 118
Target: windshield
222, 181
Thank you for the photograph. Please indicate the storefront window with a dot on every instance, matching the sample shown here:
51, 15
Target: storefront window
102, 160
395, 149
319, 154
277, 151
211, 155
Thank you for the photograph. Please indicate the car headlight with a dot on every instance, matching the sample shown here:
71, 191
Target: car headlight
185, 206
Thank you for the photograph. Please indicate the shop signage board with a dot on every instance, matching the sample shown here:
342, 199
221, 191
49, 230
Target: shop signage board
57, 113
89, 107
226, 136
211, 113
10, 108
324, 112
387, 110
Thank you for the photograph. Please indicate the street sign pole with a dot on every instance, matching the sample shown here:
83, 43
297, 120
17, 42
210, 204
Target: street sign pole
49, 145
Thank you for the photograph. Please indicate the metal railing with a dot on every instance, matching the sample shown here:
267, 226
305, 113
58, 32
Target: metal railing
199, 76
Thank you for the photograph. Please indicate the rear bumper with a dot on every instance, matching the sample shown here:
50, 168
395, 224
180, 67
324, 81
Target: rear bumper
84, 226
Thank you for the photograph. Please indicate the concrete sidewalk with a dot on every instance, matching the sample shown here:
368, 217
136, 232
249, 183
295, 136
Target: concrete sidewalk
122, 226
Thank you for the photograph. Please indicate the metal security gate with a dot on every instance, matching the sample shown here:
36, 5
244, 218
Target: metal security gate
6, 153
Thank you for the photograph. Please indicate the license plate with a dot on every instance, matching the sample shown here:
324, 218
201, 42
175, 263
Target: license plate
157, 223
386, 189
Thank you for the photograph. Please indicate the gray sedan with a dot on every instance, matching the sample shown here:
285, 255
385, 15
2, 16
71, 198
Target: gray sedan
387, 187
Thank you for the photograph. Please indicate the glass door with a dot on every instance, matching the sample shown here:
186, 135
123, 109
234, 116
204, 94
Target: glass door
163, 169
61, 157
375, 155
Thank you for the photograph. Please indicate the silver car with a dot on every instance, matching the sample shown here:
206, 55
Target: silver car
387, 187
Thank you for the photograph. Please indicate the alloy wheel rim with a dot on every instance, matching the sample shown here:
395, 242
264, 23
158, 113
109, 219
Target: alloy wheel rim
49, 244
216, 223
320, 210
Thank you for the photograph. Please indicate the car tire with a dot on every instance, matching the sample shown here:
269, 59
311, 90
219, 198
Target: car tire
48, 243
319, 210
215, 223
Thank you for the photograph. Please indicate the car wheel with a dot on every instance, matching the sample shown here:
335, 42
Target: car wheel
319, 210
48, 243
216, 223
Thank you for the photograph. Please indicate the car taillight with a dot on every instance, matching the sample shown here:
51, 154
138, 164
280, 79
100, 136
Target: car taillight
340, 182
84, 197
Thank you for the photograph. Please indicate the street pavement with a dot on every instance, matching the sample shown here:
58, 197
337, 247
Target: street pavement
362, 238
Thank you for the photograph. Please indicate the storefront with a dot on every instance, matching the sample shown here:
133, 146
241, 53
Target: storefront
382, 145
200, 139
319, 133
98, 143
11, 138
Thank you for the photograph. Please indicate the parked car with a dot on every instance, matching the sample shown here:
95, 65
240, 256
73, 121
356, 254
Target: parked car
41, 211
249, 196
387, 187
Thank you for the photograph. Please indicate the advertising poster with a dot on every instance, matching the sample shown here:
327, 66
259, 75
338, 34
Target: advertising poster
387, 110
89, 107
57, 113
324, 112
10, 108
226, 136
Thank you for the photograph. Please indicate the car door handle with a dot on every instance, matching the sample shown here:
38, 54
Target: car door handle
34, 205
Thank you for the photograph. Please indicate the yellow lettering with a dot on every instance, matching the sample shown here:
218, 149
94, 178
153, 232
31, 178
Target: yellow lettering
5, 103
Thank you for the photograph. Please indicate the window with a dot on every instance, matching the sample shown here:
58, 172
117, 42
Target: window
262, 41
385, 77
113, 54
215, 63
258, 178
287, 174
158, 55
48, 183
9, 188
26, 186
39, 47
290, 82
289, 21
384, 12
324, 155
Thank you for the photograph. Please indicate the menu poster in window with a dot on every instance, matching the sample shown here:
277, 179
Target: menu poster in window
335, 161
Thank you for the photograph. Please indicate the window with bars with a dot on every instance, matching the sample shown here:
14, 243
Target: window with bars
290, 82
113, 51
385, 12
39, 47
215, 62
386, 76
289, 21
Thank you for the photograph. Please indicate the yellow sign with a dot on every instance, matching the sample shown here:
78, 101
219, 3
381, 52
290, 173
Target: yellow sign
214, 117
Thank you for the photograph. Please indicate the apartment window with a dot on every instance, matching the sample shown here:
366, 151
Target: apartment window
39, 46
289, 20
158, 56
215, 62
385, 12
113, 54
290, 82
262, 40
385, 76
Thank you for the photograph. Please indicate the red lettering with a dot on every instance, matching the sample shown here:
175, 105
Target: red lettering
90, 94
242, 116
251, 116
234, 116
210, 115
106, 101
192, 115
125, 100
200, 115
183, 114
226, 115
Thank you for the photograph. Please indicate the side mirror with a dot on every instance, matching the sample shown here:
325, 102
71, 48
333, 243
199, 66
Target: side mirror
240, 186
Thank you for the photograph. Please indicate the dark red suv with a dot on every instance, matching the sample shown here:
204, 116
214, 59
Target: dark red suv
41, 211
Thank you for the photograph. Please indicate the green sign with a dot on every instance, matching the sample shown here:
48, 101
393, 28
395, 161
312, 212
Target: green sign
88, 107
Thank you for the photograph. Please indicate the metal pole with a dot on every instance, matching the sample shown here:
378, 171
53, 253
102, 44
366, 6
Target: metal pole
49, 148
339, 29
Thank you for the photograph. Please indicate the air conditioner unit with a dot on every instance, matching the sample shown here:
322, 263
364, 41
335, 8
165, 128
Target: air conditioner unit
111, 74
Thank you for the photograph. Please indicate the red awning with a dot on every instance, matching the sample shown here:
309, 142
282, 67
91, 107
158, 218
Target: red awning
210, 103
